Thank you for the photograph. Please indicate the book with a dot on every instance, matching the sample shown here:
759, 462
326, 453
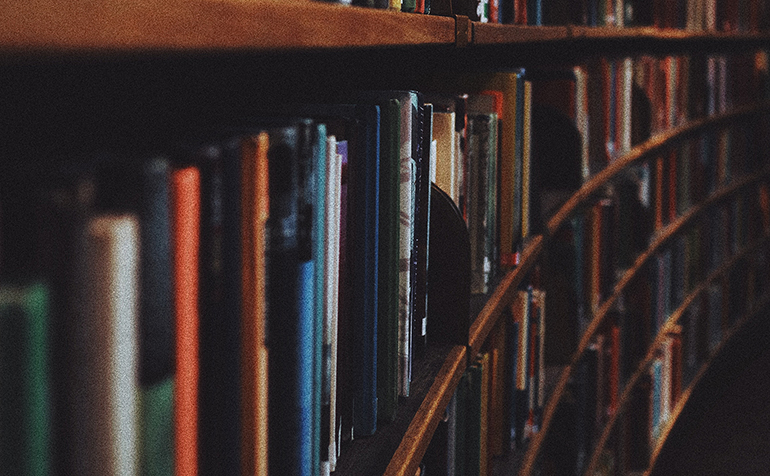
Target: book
520, 401
290, 301
410, 136
26, 444
446, 173
389, 197
317, 199
482, 199
218, 157
341, 394
254, 354
105, 384
424, 150
142, 188
185, 233
332, 219
156, 322
364, 170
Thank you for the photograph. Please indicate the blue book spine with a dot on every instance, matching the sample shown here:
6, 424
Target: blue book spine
304, 454
535, 12
367, 181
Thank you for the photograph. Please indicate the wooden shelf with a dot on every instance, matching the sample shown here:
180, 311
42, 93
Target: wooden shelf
758, 311
644, 151
177, 25
625, 397
410, 451
100, 26
401, 443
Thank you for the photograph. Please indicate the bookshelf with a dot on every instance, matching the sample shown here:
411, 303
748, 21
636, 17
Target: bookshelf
87, 76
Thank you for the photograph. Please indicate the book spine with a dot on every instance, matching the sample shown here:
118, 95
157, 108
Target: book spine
366, 180
254, 378
424, 148
106, 412
219, 312
156, 339
331, 301
185, 194
318, 233
26, 410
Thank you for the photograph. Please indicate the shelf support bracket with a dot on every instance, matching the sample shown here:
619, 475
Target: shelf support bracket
463, 31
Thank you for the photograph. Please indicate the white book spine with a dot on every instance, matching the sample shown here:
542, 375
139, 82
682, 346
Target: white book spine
107, 389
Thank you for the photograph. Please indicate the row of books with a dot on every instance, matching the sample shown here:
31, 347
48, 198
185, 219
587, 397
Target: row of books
691, 15
295, 252
728, 228
685, 347
498, 404
240, 301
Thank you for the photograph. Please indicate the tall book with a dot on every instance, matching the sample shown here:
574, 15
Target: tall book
26, 442
447, 175
482, 151
340, 391
290, 303
254, 355
219, 305
389, 251
424, 151
364, 168
499, 374
143, 188
185, 233
332, 215
156, 324
410, 135
105, 383
316, 198
520, 399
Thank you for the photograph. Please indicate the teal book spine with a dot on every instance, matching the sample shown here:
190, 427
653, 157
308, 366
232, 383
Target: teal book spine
25, 410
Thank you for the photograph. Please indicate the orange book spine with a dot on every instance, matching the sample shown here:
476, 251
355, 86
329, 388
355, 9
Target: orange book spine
185, 239
255, 206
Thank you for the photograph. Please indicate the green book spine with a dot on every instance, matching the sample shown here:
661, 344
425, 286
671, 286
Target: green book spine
157, 432
25, 417
388, 302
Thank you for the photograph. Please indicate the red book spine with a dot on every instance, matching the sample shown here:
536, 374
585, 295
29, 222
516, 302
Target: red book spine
185, 188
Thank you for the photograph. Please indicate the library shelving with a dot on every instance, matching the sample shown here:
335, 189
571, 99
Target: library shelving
648, 294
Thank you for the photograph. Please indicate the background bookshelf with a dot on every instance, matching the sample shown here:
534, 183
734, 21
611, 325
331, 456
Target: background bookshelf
130, 77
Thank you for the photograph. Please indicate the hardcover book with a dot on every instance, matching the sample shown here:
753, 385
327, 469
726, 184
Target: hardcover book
26, 442
185, 233
106, 392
